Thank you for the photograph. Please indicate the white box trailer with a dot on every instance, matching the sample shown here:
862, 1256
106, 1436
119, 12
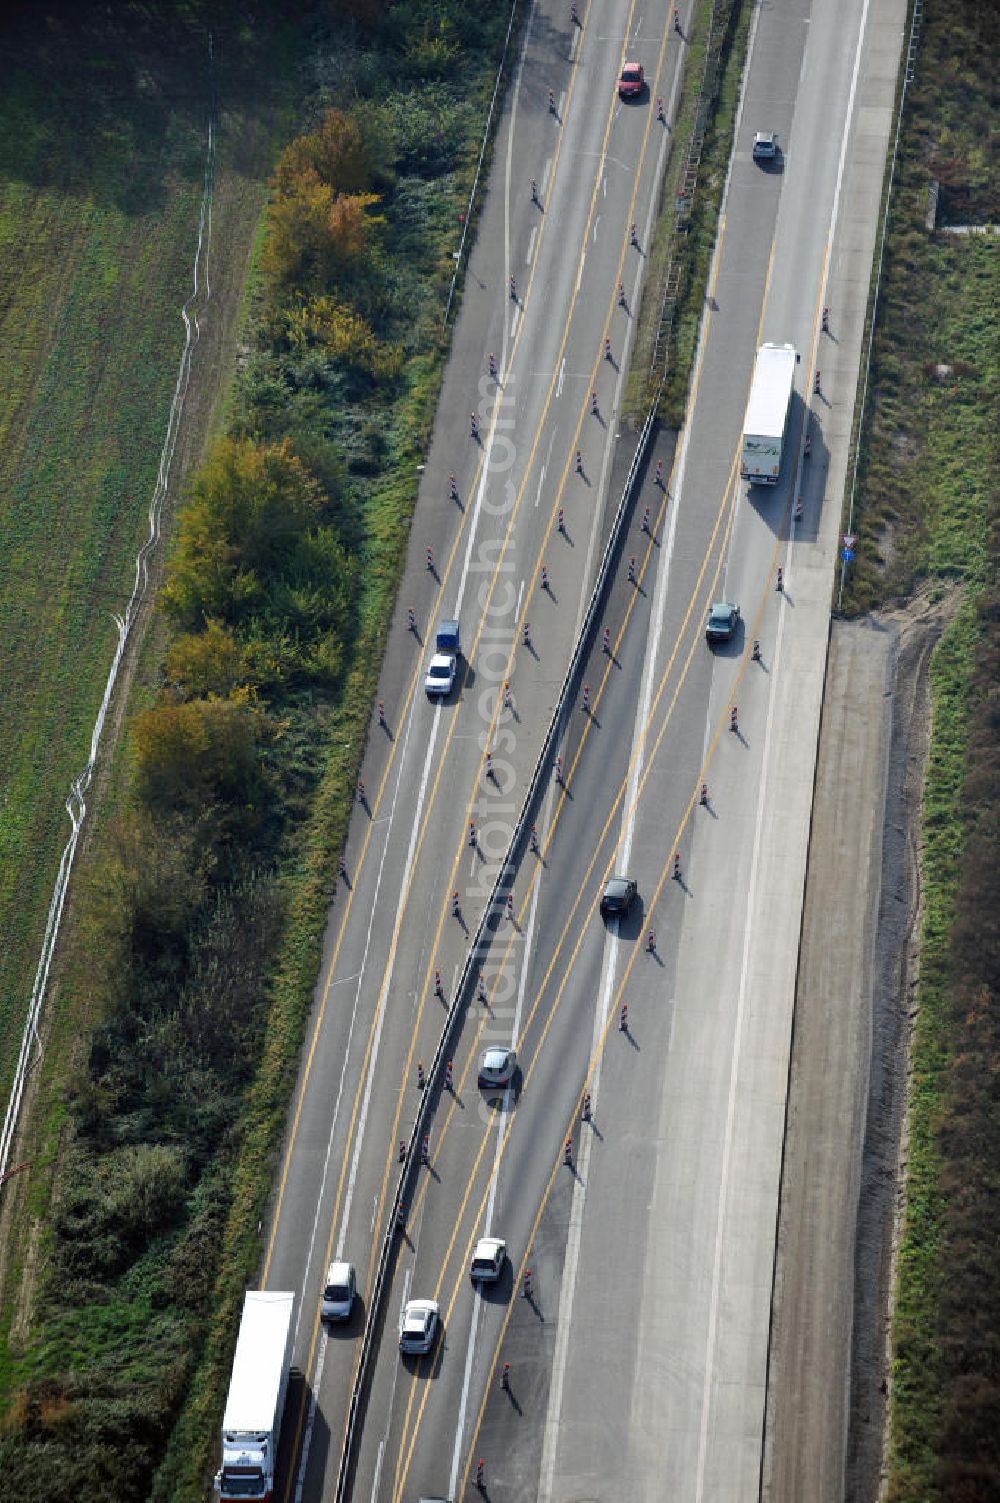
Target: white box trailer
767, 413
252, 1421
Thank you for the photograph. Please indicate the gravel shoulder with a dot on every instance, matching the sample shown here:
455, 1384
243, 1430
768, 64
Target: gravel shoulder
828, 1368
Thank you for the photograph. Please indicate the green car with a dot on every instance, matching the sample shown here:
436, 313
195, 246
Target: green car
723, 619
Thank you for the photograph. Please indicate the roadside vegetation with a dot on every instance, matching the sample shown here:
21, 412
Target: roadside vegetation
928, 512
685, 231
194, 941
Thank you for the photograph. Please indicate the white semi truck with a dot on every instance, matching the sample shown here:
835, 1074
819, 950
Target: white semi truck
767, 413
252, 1420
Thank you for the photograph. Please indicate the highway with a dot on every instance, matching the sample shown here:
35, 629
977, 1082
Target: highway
638, 1356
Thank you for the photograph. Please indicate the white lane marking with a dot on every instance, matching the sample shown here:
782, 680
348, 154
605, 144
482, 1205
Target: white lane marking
574, 45
561, 378
413, 833
531, 243
562, 104
545, 175
541, 483
513, 334
429, 762
494, 1181
579, 271
575, 1235
307, 1436
571, 1261
597, 220
548, 459
392, 1399
734, 1069
517, 608
463, 580
604, 185
752, 895
355, 1009
378, 1469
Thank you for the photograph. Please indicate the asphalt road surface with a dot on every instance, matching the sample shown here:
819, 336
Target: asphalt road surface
638, 1356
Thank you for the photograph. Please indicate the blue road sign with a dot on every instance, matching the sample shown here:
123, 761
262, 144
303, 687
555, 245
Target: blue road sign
847, 554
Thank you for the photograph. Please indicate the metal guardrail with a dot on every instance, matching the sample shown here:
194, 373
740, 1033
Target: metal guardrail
684, 200
505, 873
479, 167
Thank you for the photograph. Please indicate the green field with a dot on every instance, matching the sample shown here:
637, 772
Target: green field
928, 517
103, 130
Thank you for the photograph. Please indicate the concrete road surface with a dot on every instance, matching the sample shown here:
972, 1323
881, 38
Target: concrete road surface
506, 536
638, 1355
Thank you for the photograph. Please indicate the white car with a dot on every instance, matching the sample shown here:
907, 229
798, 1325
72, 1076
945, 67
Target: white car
338, 1292
497, 1066
488, 1259
765, 146
418, 1326
440, 674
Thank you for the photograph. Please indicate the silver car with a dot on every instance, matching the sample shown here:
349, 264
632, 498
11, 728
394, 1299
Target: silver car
418, 1326
497, 1066
338, 1292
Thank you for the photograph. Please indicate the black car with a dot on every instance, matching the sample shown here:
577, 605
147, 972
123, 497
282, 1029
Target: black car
618, 896
723, 619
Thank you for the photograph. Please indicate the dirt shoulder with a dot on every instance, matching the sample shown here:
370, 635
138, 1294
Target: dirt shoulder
828, 1367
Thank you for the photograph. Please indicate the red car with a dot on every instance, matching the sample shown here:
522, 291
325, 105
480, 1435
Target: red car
632, 81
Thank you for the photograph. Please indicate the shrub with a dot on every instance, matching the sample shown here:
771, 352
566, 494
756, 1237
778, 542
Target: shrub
249, 507
316, 234
196, 754
209, 662
336, 154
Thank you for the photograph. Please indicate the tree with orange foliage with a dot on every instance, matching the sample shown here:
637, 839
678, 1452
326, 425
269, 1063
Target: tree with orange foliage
336, 154
316, 234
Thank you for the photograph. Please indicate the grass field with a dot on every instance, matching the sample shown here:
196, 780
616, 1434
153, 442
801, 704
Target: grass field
928, 510
91, 334
102, 152
103, 131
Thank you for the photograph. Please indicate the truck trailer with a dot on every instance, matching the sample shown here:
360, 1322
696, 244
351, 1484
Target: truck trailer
767, 413
252, 1420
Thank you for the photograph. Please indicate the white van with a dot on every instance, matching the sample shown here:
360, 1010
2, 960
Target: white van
338, 1292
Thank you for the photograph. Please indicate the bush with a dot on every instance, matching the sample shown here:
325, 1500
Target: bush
336, 154
196, 754
316, 234
209, 662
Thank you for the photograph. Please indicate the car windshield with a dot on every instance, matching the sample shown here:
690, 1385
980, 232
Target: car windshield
495, 1060
439, 670
629, 72
338, 1292
720, 615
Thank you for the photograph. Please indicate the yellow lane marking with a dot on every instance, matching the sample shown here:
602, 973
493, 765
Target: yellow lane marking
728, 507
414, 679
